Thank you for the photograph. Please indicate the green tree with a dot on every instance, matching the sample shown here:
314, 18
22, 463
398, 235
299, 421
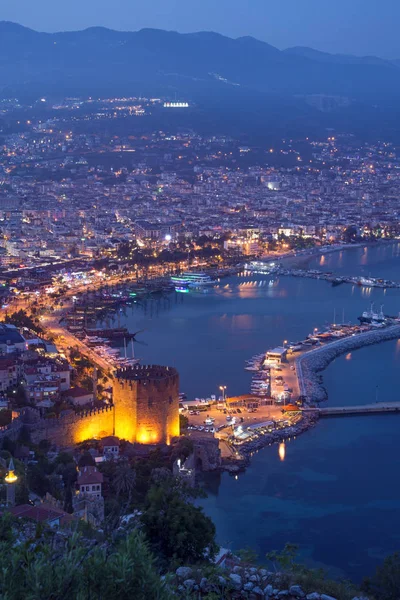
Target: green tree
5, 417
86, 460
21, 319
81, 571
37, 480
247, 555
182, 449
124, 481
175, 527
385, 583
183, 422
127, 574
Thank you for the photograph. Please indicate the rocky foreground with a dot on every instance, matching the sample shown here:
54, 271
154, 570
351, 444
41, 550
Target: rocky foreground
243, 583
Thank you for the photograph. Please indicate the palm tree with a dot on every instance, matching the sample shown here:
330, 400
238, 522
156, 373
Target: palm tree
124, 481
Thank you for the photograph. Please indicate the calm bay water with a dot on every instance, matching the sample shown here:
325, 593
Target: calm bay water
337, 493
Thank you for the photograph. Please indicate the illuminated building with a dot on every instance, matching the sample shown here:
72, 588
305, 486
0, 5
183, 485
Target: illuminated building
176, 105
145, 410
146, 401
246, 246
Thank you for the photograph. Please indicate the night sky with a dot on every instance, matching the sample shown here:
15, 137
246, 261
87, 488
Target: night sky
346, 26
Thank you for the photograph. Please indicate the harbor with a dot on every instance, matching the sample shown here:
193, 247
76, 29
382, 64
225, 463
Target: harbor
285, 477
273, 268
288, 405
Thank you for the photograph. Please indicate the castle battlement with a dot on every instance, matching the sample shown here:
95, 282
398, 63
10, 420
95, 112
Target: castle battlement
146, 374
145, 411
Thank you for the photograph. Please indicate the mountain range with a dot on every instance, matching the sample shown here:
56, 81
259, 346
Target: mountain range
217, 72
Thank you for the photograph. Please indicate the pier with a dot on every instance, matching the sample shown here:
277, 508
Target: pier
362, 409
310, 364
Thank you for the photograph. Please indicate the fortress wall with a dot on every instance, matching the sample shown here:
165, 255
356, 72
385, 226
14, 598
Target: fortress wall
145, 411
124, 398
73, 429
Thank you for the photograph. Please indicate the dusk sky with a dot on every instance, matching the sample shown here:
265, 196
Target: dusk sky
350, 26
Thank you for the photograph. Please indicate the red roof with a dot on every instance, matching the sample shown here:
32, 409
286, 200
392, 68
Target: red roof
89, 475
6, 363
30, 370
291, 408
110, 440
40, 513
78, 392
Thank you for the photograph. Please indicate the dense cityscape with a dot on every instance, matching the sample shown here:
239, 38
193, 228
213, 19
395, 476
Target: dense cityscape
111, 205
67, 193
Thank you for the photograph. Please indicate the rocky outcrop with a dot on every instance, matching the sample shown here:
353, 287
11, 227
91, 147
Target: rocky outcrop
242, 582
207, 455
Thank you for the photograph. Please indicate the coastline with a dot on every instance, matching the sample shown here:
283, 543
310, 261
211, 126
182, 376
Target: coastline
308, 370
310, 365
300, 260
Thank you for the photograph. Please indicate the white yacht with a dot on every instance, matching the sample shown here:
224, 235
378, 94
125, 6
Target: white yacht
192, 280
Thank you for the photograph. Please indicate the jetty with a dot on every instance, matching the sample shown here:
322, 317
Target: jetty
349, 411
311, 363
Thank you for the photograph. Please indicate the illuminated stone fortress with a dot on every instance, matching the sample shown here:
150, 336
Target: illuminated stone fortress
145, 410
146, 404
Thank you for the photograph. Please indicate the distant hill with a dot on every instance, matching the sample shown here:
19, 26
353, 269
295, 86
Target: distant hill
340, 59
235, 74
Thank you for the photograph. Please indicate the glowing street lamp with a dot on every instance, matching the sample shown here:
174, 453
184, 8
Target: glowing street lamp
223, 390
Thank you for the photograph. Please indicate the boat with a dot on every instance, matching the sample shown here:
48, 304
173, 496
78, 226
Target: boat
117, 332
94, 340
370, 315
128, 362
191, 280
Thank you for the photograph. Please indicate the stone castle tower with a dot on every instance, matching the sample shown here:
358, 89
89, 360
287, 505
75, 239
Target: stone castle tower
146, 404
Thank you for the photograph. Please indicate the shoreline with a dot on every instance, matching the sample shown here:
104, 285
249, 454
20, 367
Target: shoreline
312, 363
308, 369
291, 261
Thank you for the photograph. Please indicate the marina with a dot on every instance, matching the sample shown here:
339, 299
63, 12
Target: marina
272, 268
288, 478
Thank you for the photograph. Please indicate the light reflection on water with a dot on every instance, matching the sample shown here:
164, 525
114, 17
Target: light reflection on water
282, 451
335, 493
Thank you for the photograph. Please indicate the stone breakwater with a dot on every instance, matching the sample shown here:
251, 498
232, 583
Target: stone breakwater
308, 369
310, 365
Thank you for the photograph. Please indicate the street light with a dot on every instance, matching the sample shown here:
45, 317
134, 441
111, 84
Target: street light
223, 389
